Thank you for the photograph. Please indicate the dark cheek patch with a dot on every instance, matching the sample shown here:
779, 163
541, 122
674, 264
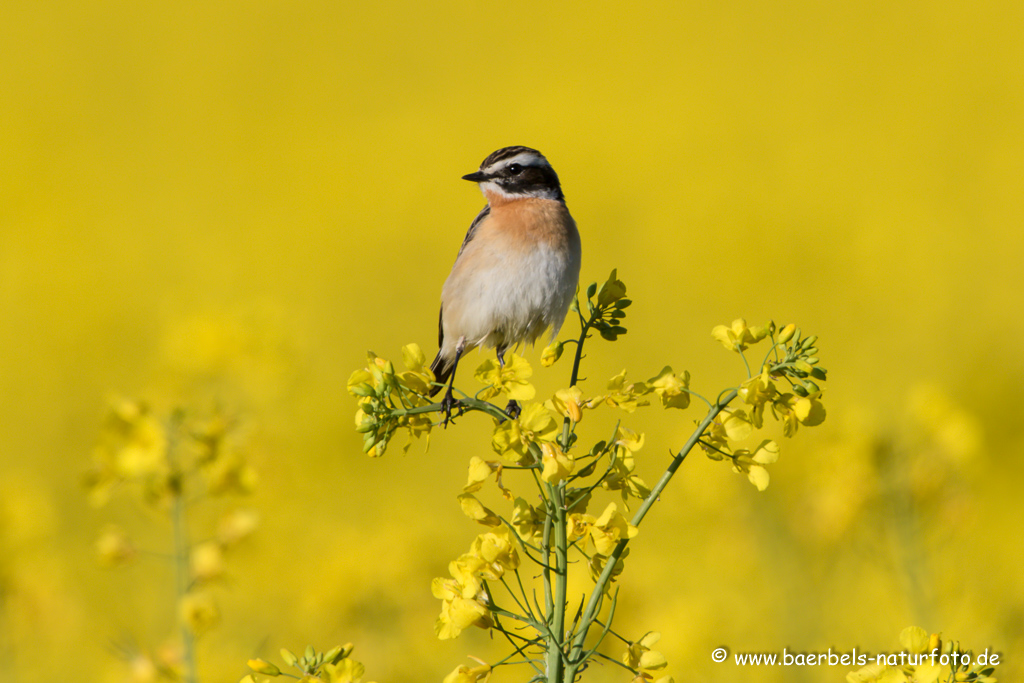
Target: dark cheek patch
539, 175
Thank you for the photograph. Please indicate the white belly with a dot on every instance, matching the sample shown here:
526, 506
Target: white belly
511, 295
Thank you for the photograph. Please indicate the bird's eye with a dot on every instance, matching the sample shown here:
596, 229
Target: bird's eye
515, 169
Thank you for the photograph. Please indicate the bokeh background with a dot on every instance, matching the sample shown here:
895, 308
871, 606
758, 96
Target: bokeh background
229, 203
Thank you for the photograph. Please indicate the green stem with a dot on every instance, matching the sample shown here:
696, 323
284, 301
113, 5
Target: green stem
590, 612
579, 352
182, 580
467, 403
556, 655
556, 496
549, 599
182, 574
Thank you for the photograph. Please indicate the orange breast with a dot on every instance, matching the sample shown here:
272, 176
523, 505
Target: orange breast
525, 223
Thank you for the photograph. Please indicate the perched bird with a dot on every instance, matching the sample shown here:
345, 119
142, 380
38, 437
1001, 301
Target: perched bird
518, 267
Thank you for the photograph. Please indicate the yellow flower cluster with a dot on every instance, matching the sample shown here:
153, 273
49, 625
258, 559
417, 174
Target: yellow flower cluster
384, 395
620, 475
135, 449
464, 599
609, 308
641, 658
510, 380
467, 674
605, 531
333, 666
928, 659
168, 461
540, 443
791, 359
513, 439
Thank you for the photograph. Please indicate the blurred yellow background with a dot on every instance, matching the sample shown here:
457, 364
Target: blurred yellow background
231, 202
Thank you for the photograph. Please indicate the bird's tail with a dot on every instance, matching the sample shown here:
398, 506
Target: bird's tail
442, 370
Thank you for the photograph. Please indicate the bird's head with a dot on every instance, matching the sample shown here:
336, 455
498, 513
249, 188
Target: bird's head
516, 173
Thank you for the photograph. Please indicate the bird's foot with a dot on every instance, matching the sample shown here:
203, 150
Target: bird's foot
513, 409
447, 403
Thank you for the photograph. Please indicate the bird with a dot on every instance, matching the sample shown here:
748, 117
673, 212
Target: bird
517, 269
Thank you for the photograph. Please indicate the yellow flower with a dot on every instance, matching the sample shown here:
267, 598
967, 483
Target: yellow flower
623, 395
758, 391
914, 639
417, 377
345, 671
527, 520
236, 525
207, 561
465, 674
629, 440
462, 600
229, 473
557, 464
810, 411
479, 470
509, 380
138, 442
738, 336
579, 525
380, 391
413, 357
598, 563
512, 438
459, 614
143, 669
465, 573
497, 551
752, 464
640, 656
361, 383
670, 388
475, 510
729, 425
794, 410
198, 612
620, 476
567, 403
611, 291
608, 529
113, 547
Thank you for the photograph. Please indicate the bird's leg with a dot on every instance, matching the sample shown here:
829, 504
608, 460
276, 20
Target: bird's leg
449, 401
512, 409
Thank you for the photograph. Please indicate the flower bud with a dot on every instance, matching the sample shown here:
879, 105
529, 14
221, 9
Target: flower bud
550, 355
574, 411
787, 333
262, 667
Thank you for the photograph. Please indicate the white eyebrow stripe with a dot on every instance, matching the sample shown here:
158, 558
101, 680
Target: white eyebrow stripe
523, 159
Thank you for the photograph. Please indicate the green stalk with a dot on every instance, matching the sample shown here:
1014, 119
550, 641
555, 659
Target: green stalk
182, 580
555, 654
558, 525
182, 573
590, 612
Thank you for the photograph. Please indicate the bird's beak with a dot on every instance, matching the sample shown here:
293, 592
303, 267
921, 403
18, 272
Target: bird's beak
477, 177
